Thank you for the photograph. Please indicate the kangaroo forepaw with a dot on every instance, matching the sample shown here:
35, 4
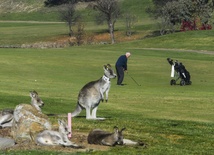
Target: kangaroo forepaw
76, 147
141, 143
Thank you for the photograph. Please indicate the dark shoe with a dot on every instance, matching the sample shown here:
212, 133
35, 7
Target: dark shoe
120, 84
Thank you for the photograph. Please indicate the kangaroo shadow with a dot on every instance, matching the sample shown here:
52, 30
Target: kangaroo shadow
65, 115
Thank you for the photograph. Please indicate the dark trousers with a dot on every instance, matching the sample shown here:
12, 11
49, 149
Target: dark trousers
120, 74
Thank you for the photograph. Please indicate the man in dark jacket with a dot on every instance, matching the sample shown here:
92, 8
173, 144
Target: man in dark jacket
121, 66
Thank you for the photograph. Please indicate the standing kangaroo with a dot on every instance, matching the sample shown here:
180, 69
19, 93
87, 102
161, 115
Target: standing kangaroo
50, 137
93, 92
98, 136
6, 116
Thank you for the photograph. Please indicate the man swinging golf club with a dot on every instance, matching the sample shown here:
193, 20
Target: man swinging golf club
121, 66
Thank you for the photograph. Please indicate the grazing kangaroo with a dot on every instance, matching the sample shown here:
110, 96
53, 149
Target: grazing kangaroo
92, 93
50, 137
6, 116
98, 136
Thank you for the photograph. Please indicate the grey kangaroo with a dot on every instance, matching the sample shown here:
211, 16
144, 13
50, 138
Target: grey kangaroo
92, 93
50, 137
6, 116
98, 136
101, 137
36, 100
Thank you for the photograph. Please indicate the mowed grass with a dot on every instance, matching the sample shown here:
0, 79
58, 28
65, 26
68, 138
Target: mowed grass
18, 33
169, 119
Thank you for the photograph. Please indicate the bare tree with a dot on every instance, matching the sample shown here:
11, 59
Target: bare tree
68, 14
130, 20
80, 33
109, 11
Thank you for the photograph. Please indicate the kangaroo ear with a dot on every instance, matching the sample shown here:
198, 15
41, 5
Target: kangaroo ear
105, 67
32, 94
59, 121
123, 129
115, 129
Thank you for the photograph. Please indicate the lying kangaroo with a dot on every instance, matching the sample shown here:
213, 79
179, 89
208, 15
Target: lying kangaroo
92, 93
35, 100
50, 137
6, 116
98, 136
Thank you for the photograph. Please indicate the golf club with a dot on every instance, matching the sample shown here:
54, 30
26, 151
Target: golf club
134, 80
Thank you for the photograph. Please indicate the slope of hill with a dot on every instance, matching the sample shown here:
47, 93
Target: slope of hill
35, 9
11, 6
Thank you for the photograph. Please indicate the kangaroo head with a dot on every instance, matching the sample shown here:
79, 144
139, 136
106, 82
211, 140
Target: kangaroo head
118, 135
35, 99
63, 127
109, 72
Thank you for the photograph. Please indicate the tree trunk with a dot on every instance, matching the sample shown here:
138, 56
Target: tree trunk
70, 30
111, 31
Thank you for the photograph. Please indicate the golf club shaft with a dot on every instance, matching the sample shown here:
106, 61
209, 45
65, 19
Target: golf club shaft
134, 80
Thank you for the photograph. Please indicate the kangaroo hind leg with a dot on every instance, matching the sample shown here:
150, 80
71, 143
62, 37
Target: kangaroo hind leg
88, 113
94, 114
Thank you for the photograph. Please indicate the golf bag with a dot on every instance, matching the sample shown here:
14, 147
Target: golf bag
179, 72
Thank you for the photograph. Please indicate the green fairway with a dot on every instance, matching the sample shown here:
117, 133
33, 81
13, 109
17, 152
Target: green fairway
18, 33
169, 119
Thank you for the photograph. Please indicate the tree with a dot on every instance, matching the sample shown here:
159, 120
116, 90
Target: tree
80, 32
172, 12
203, 9
130, 20
68, 14
109, 11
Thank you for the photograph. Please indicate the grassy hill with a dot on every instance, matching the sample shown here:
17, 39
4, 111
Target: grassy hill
26, 10
28, 32
35, 10
11, 6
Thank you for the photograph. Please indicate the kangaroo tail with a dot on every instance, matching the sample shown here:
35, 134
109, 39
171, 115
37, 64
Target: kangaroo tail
76, 111
73, 114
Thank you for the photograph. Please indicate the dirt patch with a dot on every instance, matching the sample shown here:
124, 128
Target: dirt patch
101, 38
78, 138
